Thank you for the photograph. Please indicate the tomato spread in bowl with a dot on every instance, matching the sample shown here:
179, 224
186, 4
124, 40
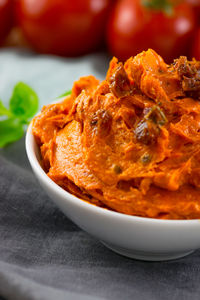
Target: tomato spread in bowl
130, 143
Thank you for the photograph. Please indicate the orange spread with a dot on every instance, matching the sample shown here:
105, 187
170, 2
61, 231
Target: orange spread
130, 143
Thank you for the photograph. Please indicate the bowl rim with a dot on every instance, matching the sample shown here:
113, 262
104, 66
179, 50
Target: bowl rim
29, 145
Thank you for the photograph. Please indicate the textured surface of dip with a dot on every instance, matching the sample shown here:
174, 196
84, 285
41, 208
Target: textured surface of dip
130, 143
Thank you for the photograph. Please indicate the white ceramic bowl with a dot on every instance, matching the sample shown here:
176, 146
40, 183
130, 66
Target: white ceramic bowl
135, 237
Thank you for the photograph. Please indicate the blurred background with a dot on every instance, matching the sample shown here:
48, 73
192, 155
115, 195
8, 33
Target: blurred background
122, 28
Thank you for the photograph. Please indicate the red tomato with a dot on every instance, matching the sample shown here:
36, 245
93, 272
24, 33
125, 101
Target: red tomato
196, 45
63, 27
133, 28
5, 18
196, 7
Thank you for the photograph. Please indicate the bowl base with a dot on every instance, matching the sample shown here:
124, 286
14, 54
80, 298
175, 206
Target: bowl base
147, 256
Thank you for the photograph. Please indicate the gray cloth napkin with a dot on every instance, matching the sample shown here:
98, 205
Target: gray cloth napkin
43, 255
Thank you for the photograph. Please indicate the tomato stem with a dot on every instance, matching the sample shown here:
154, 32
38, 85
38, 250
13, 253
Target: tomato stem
165, 6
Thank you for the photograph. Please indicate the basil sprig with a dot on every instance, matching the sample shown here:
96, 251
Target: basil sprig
67, 93
23, 105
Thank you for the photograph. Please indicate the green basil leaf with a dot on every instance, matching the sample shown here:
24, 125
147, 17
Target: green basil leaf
11, 130
64, 94
24, 101
3, 110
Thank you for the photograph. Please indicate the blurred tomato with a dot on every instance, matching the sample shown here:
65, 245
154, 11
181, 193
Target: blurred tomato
133, 28
195, 4
5, 18
63, 27
196, 45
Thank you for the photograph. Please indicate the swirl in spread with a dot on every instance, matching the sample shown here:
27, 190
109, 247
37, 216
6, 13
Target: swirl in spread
130, 143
